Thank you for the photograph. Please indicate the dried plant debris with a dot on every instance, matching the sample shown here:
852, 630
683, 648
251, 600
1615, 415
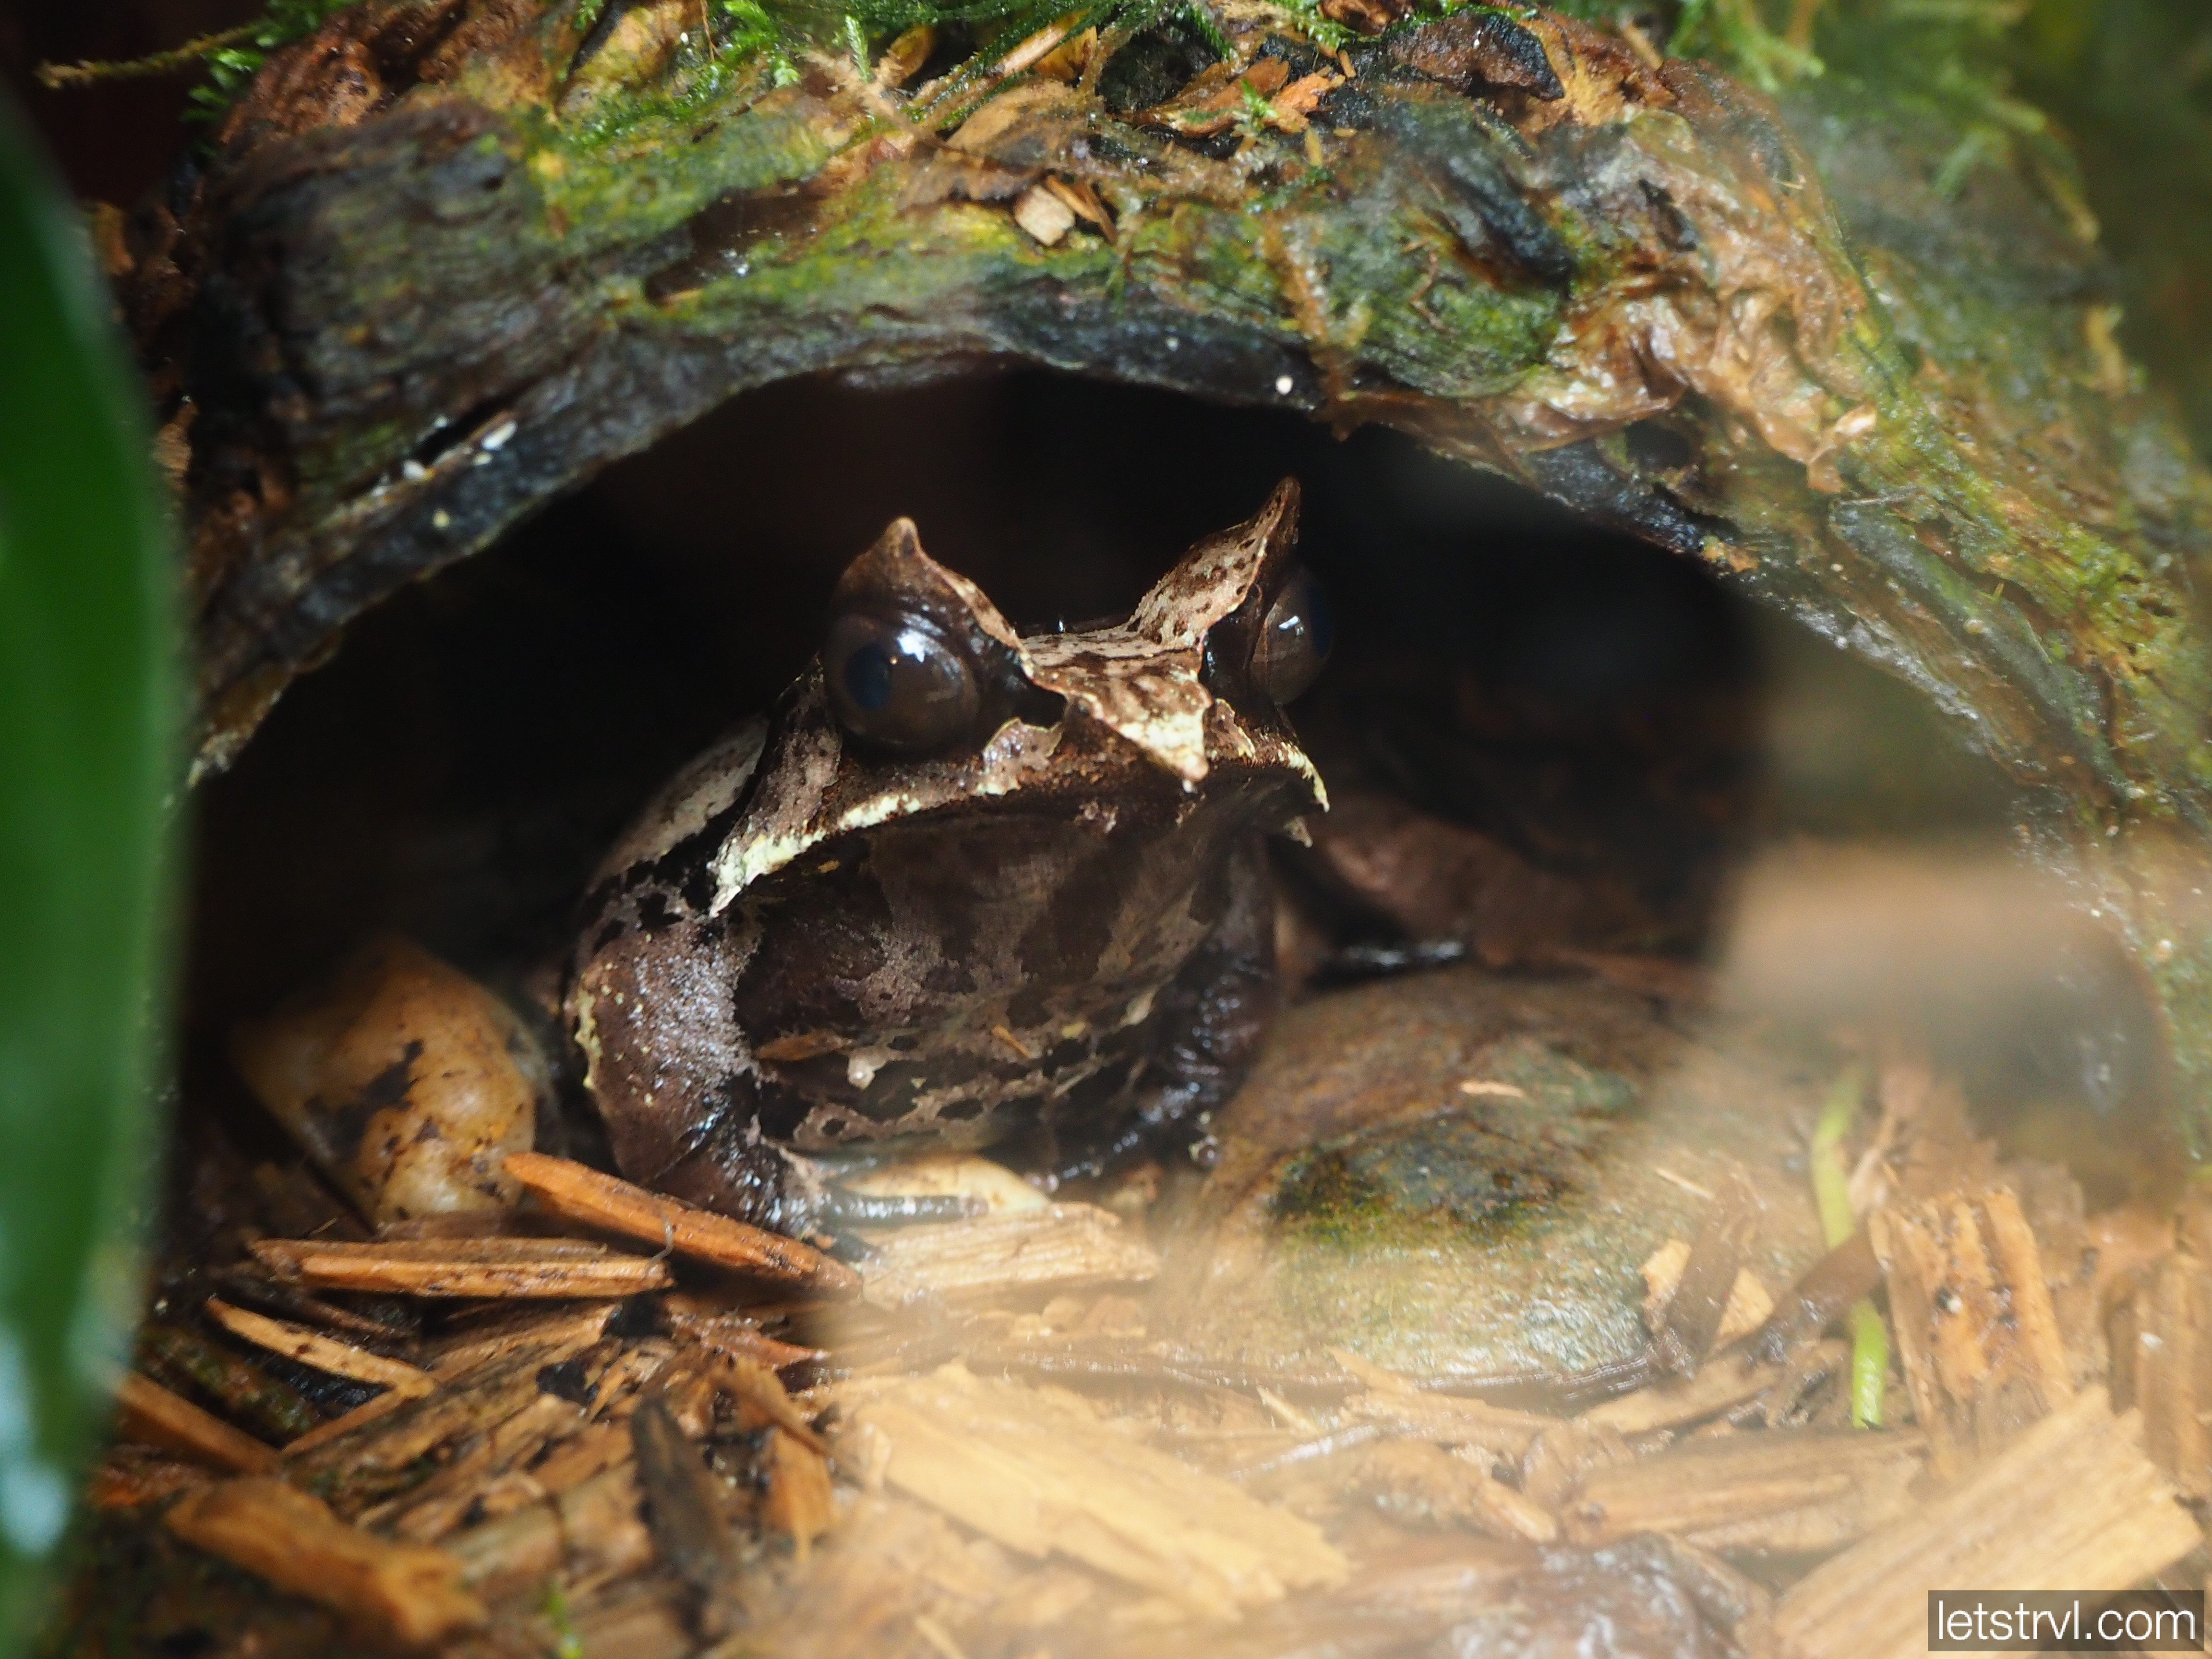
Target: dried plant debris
311, 1347
1696, 1309
593, 1199
1042, 1473
1733, 1381
1420, 1484
149, 1414
689, 1526
544, 1268
1393, 1400
1747, 1306
1787, 1491
2162, 1354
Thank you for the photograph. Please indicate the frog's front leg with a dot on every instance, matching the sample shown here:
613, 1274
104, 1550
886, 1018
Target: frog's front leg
669, 1067
1204, 1032
680, 1093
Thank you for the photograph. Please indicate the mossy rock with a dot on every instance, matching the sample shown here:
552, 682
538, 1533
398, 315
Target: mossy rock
1458, 1175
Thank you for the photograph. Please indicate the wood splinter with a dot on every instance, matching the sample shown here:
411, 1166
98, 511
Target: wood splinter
325, 1353
698, 1323
584, 1195
689, 1529
2072, 1503
1062, 1247
2166, 1365
148, 1413
494, 1268
551, 1338
1783, 1490
1038, 1473
406, 1595
1977, 1336
759, 1393
800, 1503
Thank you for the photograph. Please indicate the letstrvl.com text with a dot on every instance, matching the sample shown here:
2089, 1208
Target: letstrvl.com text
2065, 1621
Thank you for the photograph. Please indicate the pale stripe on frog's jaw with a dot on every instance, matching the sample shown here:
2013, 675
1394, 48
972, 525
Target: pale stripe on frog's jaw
704, 789
796, 809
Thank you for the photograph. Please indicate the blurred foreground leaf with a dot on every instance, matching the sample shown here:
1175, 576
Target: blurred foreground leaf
86, 699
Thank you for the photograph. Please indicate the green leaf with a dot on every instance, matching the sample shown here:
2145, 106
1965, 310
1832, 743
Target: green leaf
88, 764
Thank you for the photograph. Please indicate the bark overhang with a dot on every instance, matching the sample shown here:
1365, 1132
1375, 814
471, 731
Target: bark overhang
452, 257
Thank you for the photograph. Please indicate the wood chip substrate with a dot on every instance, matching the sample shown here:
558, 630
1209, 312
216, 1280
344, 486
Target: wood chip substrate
603, 1423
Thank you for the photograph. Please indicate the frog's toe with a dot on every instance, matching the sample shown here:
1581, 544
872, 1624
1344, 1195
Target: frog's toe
843, 1208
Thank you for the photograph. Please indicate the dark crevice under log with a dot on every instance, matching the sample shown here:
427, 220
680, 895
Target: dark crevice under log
415, 297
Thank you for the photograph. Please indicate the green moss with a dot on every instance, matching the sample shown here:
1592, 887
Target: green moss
1409, 1190
1479, 1170
230, 68
2125, 80
724, 82
1414, 310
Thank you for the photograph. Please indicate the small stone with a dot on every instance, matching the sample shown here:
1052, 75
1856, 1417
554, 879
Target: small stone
1044, 215
407, 1081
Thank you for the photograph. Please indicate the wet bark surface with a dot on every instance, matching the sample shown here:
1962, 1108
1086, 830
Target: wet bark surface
450, 258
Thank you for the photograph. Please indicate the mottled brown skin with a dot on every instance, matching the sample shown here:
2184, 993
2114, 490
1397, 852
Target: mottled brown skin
1056, 934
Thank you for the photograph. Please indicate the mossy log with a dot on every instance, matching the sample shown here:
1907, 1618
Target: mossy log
448, 258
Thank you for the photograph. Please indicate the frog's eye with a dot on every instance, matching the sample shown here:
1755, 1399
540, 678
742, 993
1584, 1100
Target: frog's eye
1295, 640
897, 684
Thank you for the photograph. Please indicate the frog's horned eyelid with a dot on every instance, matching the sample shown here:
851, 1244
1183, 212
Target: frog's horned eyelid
897, 564
1214, 578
